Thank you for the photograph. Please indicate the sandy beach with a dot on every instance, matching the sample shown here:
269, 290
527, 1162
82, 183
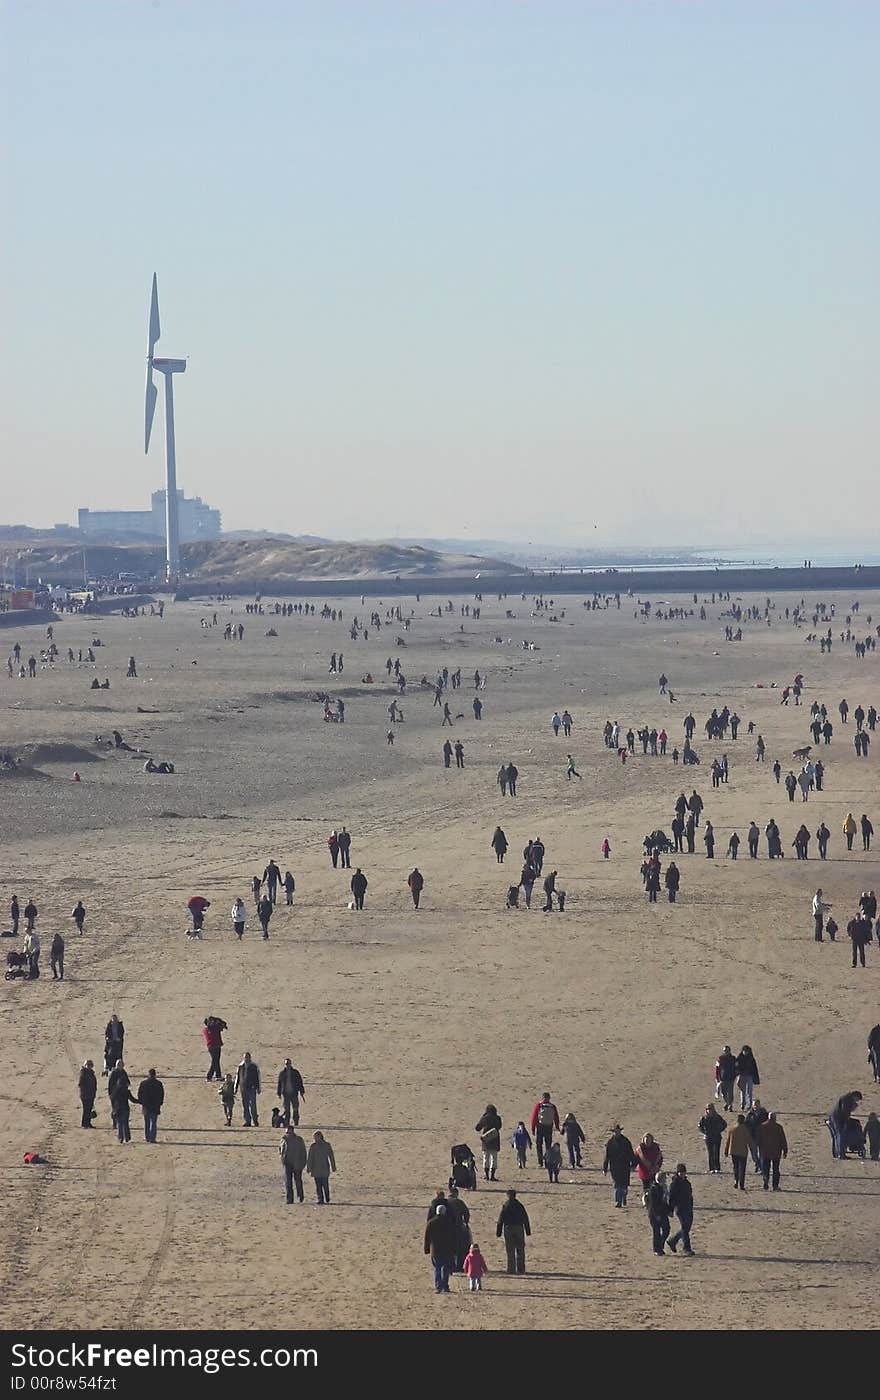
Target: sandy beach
405, 1025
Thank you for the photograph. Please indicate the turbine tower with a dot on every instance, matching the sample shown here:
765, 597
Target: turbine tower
169, 368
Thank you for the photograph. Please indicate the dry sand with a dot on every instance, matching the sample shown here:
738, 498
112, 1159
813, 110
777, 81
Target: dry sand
404, 1025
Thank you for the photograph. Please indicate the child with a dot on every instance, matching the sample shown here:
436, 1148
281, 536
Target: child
553, 1160
574, 1136
872, 1134
675, 755
606, 848
521, 1142
227, 1097
831, 930
474, 1267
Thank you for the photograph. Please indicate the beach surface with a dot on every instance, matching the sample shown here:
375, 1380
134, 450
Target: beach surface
405, 1025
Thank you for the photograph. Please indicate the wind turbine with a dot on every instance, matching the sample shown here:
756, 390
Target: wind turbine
169, 368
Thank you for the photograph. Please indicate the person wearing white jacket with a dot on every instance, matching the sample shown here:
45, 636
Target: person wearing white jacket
239, 915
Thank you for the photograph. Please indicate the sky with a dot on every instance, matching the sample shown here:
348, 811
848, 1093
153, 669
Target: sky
562, 272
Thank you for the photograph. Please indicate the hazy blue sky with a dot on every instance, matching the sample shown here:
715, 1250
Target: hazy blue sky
561, 270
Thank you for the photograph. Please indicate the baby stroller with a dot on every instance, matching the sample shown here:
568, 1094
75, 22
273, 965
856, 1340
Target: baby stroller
17, 965
658, 841
513, 897
464, 1168
855, 1137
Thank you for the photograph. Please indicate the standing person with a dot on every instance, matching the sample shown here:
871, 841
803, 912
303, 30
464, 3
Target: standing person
290, 1089
213, 1033
754, 836
499, 845
756, 1115
264, 914
867, 832
502, 779
271, 877
736, 1147
151, 1096
459, 754
514, 1225
859, 931
345, 848
649, 1160
733, 845
874, 1051
256, 886
320, 1163
545, 1117
333, 848
681, 1203
820, 909
460, 1215
248, 1086
549, 891
574, 1136
114, 1040
571, 771
772, 1145
709, 841
748, 1078
294, 1156
849, 831
620, 1159
78, 914
88, 1090
658, 1211
239, 916
823, 836
447, 754
30, 916
672, 880
416, 882
439, 1243
359, 885
474, 1268
489, 1128
712, 1127
606, 848
289, 887
521, 1143
512, 775
14, 915
56, 958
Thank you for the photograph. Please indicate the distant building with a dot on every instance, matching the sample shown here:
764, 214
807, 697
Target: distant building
197, 520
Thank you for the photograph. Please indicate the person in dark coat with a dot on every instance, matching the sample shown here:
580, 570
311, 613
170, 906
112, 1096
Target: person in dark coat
290, 1090
513, 1224
748, 1078
264, 913
56, 958
838, 1121
114, 1039
359, 884
120, 1099
712, 1127
574, 1136
416, 882
658, 1211
456, 1208
118, 1075
681, 1203
620, 1160
151, 1096
489, 1128
499, 845
672, 880
88, 1089
440, 1244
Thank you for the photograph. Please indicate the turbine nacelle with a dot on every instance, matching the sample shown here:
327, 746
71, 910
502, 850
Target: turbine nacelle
168, 366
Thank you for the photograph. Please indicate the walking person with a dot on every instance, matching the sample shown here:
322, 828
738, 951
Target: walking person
747, 1076
521, 1143
439, 1244
114, 1040
292, 1150
416, 882
736, 1147
320, 1163
658, 1211
265, 910
475, 1268
248, 1086
333, 848
680, 1200
151, 1096
78, 914
499, 845
712, 1126
574, 1136
227, 1098
213, 1033
345, 848
620, 1160
290, 1089
553, 1161
359, 885
289, 886
239, 915
56, 958
545, 1117
725, 1076
773, 1146
88, 1090
121, 1098
271, 878
514, 1225
489, 1128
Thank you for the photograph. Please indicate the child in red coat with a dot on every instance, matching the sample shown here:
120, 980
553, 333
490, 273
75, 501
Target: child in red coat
474, 1267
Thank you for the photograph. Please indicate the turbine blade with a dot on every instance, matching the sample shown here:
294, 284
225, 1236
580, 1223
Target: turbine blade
149, 407
155, 330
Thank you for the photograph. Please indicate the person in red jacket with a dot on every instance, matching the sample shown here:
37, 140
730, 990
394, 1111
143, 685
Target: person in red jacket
214, 1029
649, 1159
545, 1117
